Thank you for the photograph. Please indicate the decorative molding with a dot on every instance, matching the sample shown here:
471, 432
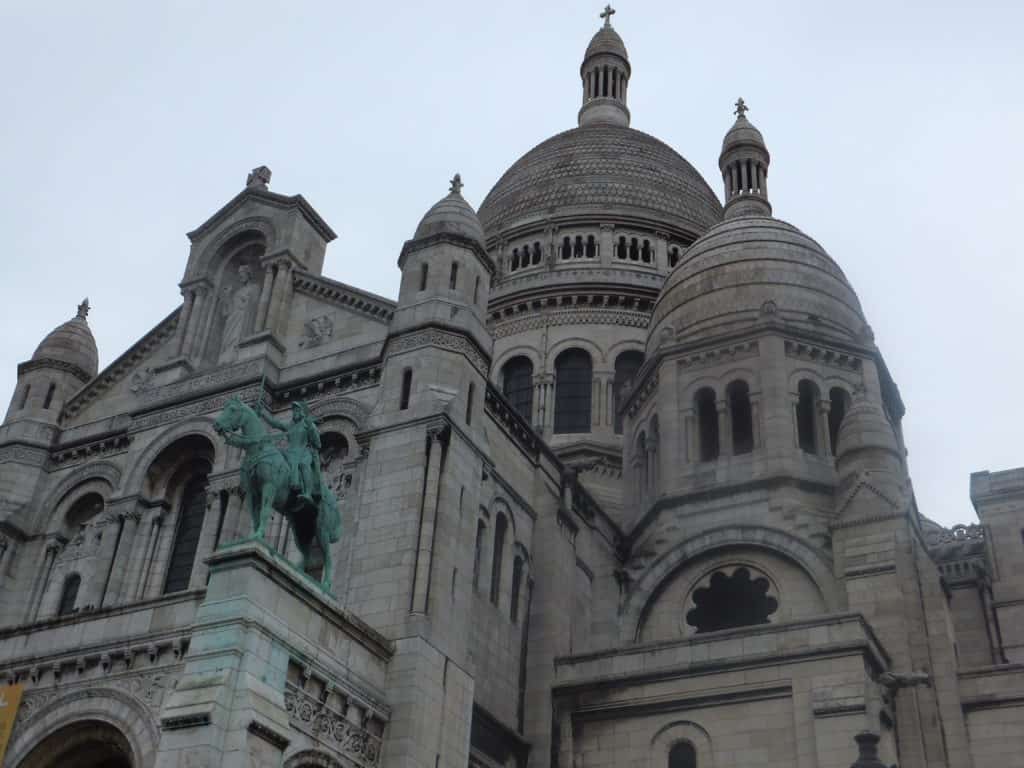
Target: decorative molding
185, 721
214, 380
374, 307
317, 331
197, 408
511, 327
268, 734
345, 407
61, 365
822, 355
23, 454
331, 728
707, 357
436, 337
106, 446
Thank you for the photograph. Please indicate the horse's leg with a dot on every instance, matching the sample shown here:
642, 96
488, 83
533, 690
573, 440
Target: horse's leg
254, 511
324, 537
266, 497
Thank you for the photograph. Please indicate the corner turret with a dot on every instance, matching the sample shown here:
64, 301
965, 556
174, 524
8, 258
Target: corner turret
605, 73
744, 164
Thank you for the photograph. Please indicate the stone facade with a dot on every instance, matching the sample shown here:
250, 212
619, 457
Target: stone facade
621, 478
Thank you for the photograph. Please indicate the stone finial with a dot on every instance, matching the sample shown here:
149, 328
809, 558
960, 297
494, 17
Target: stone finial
741, 108
83, 308
258, 178
607, 14
456, 185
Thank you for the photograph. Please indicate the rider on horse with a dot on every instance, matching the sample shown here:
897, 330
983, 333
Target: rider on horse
303, 451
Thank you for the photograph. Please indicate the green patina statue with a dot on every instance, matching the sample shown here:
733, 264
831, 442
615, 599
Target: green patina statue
287, 480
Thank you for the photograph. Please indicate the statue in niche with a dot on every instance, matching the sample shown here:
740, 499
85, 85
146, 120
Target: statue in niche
235, 308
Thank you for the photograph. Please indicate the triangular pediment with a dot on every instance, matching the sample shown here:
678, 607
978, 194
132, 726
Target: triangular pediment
268, 198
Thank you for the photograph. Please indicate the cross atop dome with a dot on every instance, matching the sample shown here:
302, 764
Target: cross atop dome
741, 108
607, 14
456, 185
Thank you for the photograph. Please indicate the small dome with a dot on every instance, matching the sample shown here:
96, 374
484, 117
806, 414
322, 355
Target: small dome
742, 133
606, 40
453, 215
865, 427
72, 343
746, 268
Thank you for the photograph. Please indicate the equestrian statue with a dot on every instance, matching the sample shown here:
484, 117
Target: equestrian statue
284, 479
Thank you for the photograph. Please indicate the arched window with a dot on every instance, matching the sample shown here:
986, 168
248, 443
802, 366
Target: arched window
406, 389
707, 424
517, 587
634, 249
84, 510
566, 247
469, 404
69, 594
186, 538
577, 250
626, 366
500, 527
839, 404
573, 384
517, 385
453, 279
730, 601
682, 755
646, 253
622, 249
591, 247
515, 260
49, 395
741, 417
673, 256
807, 402
423, 277
481, 531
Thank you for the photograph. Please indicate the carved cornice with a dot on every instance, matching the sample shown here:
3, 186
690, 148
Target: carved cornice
195, 408
433, 336
578, 316
47, 362
76, 454
206, 382
124, 365
361, 302
729, 353
822, 355
23, 454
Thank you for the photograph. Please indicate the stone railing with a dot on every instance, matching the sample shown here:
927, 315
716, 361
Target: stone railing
308, 714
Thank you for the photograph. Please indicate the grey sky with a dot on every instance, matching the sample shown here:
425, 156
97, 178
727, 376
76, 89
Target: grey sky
892, 128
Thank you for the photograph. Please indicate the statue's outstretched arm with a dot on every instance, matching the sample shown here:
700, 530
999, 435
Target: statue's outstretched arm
278, 425
314, 437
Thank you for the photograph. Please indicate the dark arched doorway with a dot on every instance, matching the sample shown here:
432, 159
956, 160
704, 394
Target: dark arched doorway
86, 744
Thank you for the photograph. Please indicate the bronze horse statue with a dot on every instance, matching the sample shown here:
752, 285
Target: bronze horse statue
266, 480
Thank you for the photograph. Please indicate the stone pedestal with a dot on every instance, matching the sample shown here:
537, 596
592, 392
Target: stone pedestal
259, 617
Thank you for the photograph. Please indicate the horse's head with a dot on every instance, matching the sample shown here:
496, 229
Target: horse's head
231, 417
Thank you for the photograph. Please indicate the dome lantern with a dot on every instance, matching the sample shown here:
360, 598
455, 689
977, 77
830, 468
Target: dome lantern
744, 164
605, 75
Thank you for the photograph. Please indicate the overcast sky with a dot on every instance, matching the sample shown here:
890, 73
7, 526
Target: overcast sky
894, 130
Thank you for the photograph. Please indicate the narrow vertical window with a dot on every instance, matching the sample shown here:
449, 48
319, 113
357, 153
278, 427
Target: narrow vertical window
469, 404
517, 385
515, 260
406, 389
517, 588
591, 247
626, 366
807, 400
707, 424
574, 377
566, 247
741, 416
49, 395
621, 250
423, 277
634, 249
646, 253
839, 400
453, 280
673, 257
186, 538
536, 253
476, 290
500, 526
481, 531
24, 395
69, 594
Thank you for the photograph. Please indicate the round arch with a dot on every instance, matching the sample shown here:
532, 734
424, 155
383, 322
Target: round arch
103, 471
199, 425
522, 350
344, 407
111, 711
681, 731
59, 509
311, 758
596, 355
646, 588
258, 225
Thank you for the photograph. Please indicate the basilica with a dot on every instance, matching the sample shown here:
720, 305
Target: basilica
618, 481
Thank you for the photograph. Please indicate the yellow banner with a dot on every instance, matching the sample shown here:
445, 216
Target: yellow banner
10, 698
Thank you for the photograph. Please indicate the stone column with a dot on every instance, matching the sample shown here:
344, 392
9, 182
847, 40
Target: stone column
661, 250
212, 521
607, 243
689, 437
652, 463
794, 405
122, 560
5, 547
96, 592
199, 302
50, 552
148, 555
755, 419
821, 429
183, 320
595, 403
548, 386
724, 428
282, 284
745, 176
436, 441
264, 302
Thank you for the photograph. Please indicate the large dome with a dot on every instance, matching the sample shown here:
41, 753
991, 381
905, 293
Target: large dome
595, 169
747, 267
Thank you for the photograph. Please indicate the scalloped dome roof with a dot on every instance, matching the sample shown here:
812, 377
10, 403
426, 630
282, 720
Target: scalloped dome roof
594, 169
451, 214
747, 266
72, 343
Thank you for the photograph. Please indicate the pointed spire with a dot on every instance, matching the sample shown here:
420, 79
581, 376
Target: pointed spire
744, 164
83, 308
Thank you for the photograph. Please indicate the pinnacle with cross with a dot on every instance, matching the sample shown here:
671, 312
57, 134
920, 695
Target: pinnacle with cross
606, 14
741, 108
83, 308
456, 185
